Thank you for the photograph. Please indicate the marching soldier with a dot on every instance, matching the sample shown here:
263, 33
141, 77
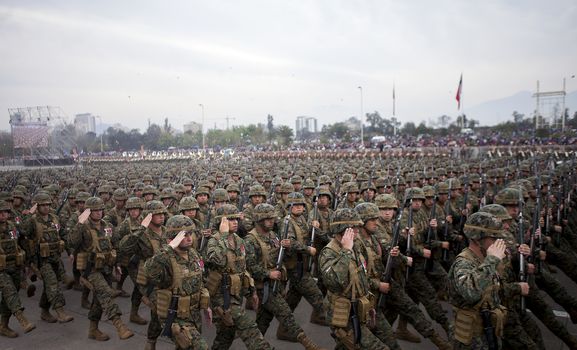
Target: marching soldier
116, 215
343, 267
263, 247
96, 257
12, 263
43, 234
228, 282
474, 285
177, 272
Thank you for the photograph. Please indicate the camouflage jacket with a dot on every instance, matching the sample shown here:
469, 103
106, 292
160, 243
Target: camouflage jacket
335, 264
38, 229
260, 264
247, 222
115, 216
470, 276
81, 240
9, 245
143, 244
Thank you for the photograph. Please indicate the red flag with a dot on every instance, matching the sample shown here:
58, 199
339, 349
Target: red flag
458, 97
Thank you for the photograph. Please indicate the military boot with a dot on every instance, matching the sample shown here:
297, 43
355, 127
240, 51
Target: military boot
318, 318
95, 333
123, 331
135, 318
282, 334
307, 342
150, 344
62, 316
441, 343
4, 329
119, 284
26, 326
45, 315
403, 332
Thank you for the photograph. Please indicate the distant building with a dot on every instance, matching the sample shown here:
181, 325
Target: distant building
305, 125
85, 123
192, 127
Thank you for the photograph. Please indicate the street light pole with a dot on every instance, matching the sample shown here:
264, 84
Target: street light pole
202, 127
101, 144
361, 118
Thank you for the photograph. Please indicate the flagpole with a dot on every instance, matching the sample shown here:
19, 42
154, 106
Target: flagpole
393, 98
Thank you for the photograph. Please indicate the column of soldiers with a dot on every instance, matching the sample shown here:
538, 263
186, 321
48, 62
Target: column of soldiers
365, 242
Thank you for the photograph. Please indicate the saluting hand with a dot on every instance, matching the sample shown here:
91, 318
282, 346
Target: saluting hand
348, 239
84, 216
497, 249
146, 221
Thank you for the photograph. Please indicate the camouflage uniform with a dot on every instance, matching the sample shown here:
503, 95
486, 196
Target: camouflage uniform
474, 285
175, 275
141, 246
344, 274
45, 246
11, 271
93, 247
226, 258
418, 285
262, 251
301, 283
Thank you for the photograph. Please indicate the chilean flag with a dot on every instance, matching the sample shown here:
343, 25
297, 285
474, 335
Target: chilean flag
459, 89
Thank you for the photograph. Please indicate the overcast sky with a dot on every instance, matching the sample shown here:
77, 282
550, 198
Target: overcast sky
128, 61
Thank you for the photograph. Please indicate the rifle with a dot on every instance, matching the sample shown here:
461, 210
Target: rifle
386, 277
521, 239
483, 201
370, 181
488, 329
313, 231
172, 312
225, 289
280, 258
463, 216
429, 262
536, 217
337, 190
356, 322
409, 225
63, 202
203, 239
446, 228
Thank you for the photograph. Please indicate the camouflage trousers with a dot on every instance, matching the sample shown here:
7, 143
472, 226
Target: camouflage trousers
420, 290
9, 284
565, 261
189, 334
52, 273
439, 279
521, 332
544, 313
136, 296
154, 326
344, 338
384, 331
478, 343
399, 303
276, 306
243, 326
549, 284
103, 297
304, 287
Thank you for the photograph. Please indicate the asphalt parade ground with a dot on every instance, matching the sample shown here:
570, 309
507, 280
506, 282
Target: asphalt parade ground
73, 335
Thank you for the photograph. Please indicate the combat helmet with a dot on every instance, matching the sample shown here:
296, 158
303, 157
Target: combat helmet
508, 196
257, 190
134, 203
367, 211
263, 211
154, 207
482, 225
295, 198
120, 194
286, 187
350, 187
188, 203
5, 206
386, 201
429, 191
82, 196
414, 193
498, 210
343, 219
42, 198
178, 223
228, 210
220, 195
94, 203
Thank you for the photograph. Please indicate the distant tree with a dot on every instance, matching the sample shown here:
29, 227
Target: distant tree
473, 123
285, 135
375, 123
444, 120
152, 137
270, 127
409, 129
422, 129
518, 117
